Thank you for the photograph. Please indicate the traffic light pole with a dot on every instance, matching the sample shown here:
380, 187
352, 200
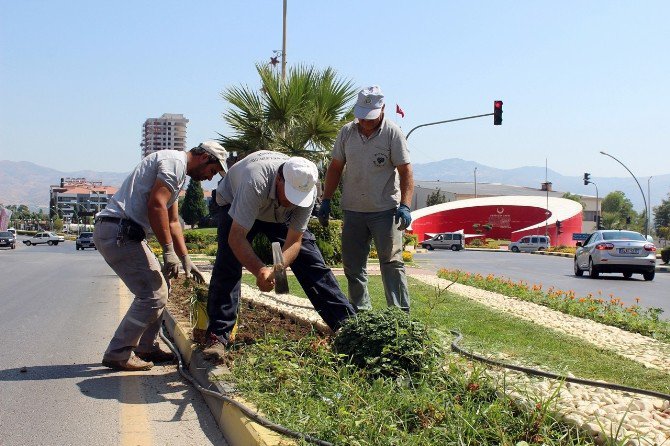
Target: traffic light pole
444, 122
597, 206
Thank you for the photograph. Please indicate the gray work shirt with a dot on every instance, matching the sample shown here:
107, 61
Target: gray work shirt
131, 200
370, 181
249, 188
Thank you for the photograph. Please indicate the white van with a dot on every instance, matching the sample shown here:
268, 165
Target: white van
445, 240
13, 231
531, 243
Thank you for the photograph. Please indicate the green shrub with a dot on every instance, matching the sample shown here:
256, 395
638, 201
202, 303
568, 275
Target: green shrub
329, 240
200, 237
410, 239
192, 247
263, 248
211, 250
387, 343
665, 255
476, 243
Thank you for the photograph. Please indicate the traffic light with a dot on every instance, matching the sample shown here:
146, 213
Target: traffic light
587, 178
598, 223
497, 112
558, 227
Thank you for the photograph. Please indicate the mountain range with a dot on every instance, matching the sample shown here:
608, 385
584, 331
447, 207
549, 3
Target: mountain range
27, 183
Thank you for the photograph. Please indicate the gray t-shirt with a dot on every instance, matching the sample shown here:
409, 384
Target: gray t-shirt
370, 181
131, 200
249, 188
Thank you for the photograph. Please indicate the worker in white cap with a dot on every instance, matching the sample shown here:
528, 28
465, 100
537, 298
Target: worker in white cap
147, 202
273, 194
377, 188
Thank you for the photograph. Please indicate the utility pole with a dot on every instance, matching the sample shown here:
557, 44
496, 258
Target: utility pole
283, 48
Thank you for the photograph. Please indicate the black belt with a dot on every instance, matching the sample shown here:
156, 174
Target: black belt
109, 219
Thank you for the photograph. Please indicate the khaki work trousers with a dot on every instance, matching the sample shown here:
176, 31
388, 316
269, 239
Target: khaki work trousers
139, 269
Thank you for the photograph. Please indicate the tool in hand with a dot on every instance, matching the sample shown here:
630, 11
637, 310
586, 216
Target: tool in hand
281, 281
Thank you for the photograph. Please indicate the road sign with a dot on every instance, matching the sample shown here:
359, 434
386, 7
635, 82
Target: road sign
580, 235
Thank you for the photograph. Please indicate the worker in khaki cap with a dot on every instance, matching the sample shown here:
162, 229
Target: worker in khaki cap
377, 188
269, 193
147, 202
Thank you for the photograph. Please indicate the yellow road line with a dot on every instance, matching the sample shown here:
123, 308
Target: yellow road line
134, 416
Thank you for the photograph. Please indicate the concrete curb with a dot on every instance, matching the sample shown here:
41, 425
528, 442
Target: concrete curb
235, 426
555, 254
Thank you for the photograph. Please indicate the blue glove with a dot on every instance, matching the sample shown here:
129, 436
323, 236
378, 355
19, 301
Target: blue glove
403, 216
324, 212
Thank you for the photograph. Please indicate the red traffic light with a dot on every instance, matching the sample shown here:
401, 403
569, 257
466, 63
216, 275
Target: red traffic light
497, 112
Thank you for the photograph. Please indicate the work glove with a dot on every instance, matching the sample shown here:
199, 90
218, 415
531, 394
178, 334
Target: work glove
324, 212
170, 262
191, 270
403, 216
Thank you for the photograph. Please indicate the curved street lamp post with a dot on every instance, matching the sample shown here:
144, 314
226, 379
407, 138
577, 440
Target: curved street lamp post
644, 199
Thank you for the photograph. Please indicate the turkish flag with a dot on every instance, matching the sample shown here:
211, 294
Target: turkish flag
399, 110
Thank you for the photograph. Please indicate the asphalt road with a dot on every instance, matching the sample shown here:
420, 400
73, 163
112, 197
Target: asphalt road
58, 309
553, 271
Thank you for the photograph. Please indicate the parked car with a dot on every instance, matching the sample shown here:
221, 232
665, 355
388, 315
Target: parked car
45, 237
616, 251
531, 243
445, 240
7, 240
85, 240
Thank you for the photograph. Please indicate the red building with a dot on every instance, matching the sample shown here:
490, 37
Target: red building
504, 217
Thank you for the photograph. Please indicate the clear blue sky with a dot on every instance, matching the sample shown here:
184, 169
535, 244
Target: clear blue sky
78, 78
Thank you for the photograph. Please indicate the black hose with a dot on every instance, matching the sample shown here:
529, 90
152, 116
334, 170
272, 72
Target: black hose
244, 409
530, 371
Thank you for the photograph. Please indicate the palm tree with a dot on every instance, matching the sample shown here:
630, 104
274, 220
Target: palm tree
299, 117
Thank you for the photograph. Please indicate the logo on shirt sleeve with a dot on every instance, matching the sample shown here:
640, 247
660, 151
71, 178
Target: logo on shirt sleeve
380, 159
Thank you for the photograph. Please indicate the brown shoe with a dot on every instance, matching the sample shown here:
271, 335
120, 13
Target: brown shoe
156, 356
132, 364
215, 349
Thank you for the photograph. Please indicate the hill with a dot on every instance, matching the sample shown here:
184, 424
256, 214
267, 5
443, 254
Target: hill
27, 183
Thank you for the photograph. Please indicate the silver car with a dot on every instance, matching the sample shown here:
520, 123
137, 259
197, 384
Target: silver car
445, 240
616, 251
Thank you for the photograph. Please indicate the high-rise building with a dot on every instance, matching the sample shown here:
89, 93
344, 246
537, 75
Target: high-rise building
165, 133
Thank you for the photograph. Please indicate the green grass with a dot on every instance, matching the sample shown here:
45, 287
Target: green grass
492, 332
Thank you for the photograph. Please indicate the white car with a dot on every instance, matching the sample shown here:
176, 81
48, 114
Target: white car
616, 251
530, 243
445, 240
49, 238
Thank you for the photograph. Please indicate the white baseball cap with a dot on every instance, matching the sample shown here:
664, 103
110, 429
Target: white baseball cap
369, 104
215, 149
300, 177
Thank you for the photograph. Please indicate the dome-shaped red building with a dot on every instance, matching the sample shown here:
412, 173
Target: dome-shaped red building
504, 217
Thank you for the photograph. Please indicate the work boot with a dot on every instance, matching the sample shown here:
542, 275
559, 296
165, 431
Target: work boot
132, 364
156, 356
215, 348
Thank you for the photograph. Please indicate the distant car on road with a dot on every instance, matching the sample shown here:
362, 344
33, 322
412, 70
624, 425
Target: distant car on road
616, 251
7, 240
445, 240
85, 240
45, 237
531, 243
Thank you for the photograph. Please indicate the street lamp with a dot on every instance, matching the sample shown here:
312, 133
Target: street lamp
649, 198
644, 199
475, 182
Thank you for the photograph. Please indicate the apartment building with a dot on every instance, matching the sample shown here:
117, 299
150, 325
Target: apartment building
165, 133
78, 197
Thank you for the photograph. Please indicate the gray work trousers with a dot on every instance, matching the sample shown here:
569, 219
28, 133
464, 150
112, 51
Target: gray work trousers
358, 230
139, 269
